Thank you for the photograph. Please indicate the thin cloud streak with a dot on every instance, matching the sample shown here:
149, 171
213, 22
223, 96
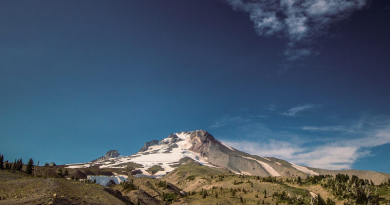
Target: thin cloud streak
294, 54
295, 20
227, 120
338, 128
295, 110
334, 154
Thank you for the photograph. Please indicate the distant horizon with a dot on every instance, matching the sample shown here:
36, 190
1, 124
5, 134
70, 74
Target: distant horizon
306, 82
43, 164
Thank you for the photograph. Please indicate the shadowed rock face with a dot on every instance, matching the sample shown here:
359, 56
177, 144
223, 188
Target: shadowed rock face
109, 154
148, 144
202, 141
173, 138
112, 154
219, 155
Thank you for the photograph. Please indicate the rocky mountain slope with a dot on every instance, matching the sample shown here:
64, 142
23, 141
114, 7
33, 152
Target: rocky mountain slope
109, 154
191, 168
158, 158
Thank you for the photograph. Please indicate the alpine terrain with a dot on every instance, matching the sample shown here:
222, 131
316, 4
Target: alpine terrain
200, 146
188, 168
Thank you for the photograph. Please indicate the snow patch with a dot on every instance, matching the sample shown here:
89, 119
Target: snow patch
162, 154
229, 147
278, 163
304, 169
78, 166
313, 195
185, 140
103, 180
266, 166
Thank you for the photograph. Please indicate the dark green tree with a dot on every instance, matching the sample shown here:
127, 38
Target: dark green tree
163, 196
1, 161
320, 200
66, 173
7, 165
30, 165
13, 166
361, 196
299, 180
330, 202
60, 173
19, 165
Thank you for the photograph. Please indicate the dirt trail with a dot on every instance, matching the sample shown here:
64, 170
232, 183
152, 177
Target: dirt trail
318, 189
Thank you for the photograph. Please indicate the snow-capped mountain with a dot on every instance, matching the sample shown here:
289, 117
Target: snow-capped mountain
201, 147
158, 158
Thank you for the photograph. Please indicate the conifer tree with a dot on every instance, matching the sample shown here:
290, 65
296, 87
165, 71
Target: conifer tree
60, 173
1, 161
66, 173
299, 180
360, 196
330, 202
19, 165
320, 200
30, 165
7, 165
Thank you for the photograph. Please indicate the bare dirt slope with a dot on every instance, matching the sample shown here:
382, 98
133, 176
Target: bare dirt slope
17, 188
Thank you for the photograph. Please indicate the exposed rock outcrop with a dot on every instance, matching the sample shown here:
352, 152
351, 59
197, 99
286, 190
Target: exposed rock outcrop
201, 147
148, 144
109, 154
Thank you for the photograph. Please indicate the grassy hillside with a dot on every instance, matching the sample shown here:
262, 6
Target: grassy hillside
19, 188
190, 183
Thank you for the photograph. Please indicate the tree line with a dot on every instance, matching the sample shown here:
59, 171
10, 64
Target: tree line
17, 165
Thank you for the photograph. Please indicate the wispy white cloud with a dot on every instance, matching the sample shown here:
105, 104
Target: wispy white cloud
327, 157
337, 128
228, 120
330, 153
373, 139
357, 127
299, 21
258, 116
271, 107
294, 54
300, 108
330, 157
274, 148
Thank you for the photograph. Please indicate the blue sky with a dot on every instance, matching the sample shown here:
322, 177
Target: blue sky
308, 83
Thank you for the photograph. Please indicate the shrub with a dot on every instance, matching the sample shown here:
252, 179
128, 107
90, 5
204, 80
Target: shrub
190, 178
30, 165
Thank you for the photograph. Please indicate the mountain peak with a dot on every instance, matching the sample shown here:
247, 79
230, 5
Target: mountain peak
112, 154
160, 157
109, 154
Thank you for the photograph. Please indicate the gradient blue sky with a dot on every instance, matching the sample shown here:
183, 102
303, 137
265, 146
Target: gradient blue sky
308, 83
